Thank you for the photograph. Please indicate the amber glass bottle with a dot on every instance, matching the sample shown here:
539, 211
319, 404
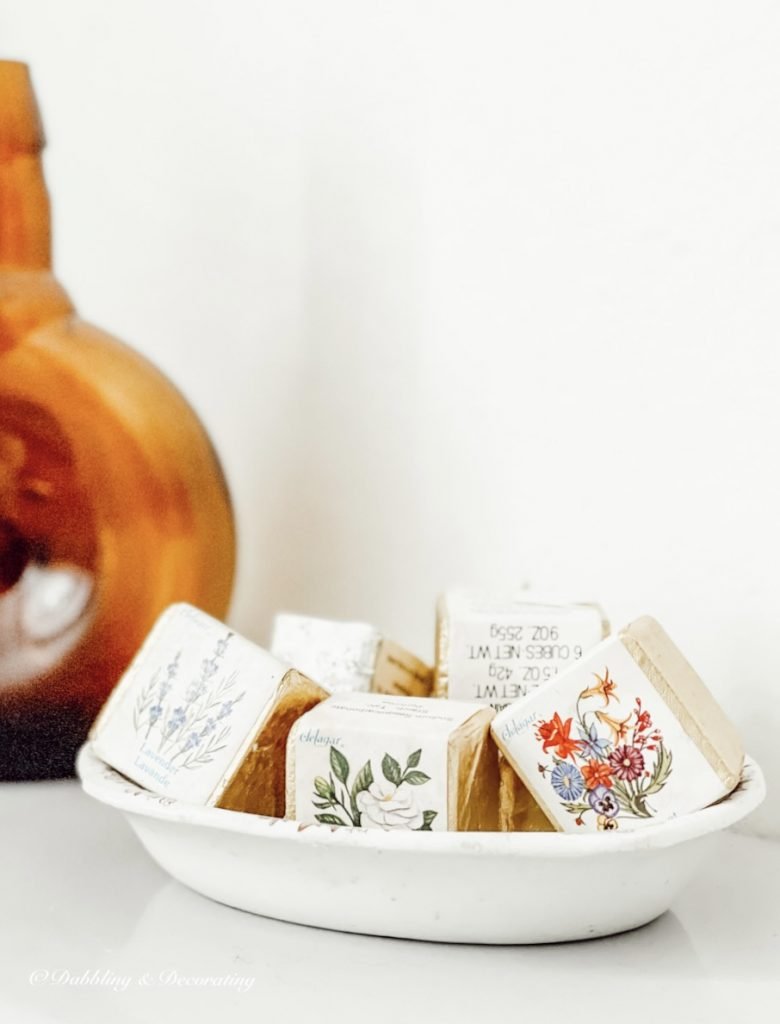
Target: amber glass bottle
112, 502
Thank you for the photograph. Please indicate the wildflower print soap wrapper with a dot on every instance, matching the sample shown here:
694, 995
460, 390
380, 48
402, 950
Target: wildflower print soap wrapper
372, 761
628, 737
203, 715
348, 656
496, 648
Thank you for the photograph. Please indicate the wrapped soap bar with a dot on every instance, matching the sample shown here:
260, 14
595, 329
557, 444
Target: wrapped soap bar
373, 761
347, 656
627, 737
496, 648
203, 715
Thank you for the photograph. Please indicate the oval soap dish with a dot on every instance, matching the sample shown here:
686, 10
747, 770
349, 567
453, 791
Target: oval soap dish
483, 887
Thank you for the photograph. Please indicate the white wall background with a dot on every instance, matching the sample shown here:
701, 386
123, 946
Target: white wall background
471, 292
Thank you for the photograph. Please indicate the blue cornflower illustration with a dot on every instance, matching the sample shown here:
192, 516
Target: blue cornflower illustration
567, 781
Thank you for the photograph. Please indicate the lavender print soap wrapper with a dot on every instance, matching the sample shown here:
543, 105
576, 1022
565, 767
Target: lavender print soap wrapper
202, 715
627, 737
372, 761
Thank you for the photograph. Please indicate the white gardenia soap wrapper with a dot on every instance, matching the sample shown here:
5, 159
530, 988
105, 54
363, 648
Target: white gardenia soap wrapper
627, 737
374, 761
496, 648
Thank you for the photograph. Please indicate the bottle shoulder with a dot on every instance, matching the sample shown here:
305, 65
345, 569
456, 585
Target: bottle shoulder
92, 381
28, 300
39, 325
94, 359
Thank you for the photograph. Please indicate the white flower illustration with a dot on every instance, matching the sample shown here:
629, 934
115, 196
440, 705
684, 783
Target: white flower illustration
384, 805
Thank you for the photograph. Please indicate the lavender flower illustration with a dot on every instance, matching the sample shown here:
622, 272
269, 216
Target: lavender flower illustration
192, 726
148, 708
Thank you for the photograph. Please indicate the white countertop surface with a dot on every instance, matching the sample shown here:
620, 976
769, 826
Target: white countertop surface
93, 930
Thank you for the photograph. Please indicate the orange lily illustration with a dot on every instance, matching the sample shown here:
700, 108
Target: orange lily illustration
619, 727
606, 687
556, 733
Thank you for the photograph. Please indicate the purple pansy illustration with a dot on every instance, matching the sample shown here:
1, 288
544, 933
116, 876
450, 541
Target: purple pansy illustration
603, 801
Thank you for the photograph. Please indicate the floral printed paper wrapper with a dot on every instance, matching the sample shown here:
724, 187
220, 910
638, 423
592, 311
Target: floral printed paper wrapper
202, 715
627, 737
496, 648
366, 760
348, 657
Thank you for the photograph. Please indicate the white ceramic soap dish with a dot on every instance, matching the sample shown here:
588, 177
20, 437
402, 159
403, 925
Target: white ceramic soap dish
441, 886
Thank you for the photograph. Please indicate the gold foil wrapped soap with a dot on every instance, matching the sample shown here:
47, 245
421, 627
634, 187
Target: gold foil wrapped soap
371, 761
203, 715
628, 736
517, 809
349, 656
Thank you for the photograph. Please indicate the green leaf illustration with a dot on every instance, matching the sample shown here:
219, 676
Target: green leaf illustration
414, 759
661, 772
577, 809
329, 819
639, 807
428, 817
391, 770
339, 764
321, 787
622, 794
363, 779
631, 803
323, 806
416, 778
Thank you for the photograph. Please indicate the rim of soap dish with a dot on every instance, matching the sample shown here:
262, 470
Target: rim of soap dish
108, 786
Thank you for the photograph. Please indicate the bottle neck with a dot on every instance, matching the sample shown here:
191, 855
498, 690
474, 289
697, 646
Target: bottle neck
25, 221
25, 224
